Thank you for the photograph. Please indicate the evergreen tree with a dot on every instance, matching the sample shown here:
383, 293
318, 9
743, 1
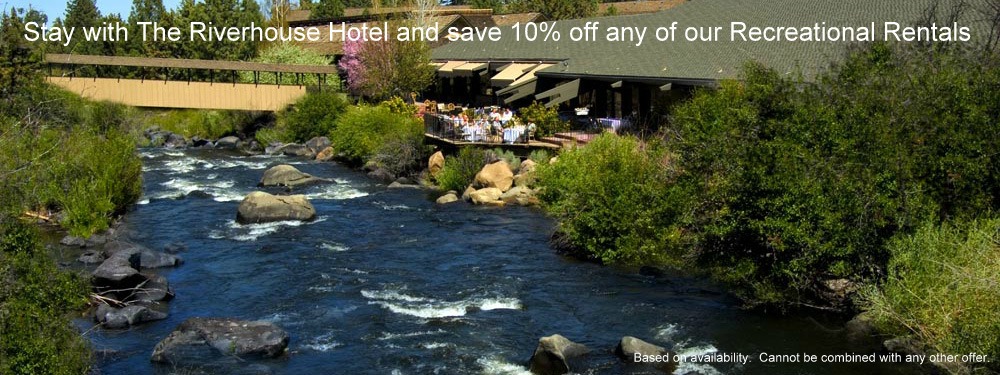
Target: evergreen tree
144, 11
325, 9
557, 9
81, 14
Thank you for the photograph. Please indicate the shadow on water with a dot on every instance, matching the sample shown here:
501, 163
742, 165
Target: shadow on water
385, 281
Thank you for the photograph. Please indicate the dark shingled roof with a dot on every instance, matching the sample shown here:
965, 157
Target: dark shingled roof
706, 62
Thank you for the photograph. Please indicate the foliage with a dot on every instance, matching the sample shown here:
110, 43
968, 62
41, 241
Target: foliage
207, 124
615, 200
546, 119
325, 9
539, 156
557, 9
800, 183
362, 130
611, 11
459, 171
943, 285
287, 53
498, 6
314, 115
508, 156
382, 69
398, 106
36, 301
61, 152
401, 156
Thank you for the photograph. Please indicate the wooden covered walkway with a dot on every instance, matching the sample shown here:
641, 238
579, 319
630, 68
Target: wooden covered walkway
187, 93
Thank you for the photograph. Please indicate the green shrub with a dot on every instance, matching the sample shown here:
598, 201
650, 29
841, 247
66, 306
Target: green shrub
615, 201
314, 115
804, 182
508, 156
36, 304
459, 171
207, 124
273, 134
546, 119
401, 156
540, 156
944, 287
398, 106
288, 53
362, 130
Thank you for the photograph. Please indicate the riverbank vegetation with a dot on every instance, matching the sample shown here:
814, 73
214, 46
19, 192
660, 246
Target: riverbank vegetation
778, 187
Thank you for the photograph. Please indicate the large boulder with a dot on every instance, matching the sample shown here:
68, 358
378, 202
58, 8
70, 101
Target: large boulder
229, 142
382, 175
318, 144
467, 194
148, 258
154, 289
287, 176
111, 317
495, 175
436, 163
261, 207
202, 338
521, 195
633, 350
295, 149
485, 196
175, 141
553, 355
326, 154
527, 166
447, 198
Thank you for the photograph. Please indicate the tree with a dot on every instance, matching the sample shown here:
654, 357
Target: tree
380, 70
557, 9
326, 9
80, 14
144, 11
16, 58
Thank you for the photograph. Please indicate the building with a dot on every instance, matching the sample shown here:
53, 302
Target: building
623, 78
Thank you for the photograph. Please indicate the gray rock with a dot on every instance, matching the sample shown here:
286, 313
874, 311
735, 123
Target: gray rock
318, 144
274, 148
73, 241
629, 347
860, 328
261, 207
197, 338
92, 257
115, 270
400, 185
553, 355
229, 142
295, 149
175, 141
447, 198
288, 176
148, 258
154, 289
382, 175
125, 317
199, 142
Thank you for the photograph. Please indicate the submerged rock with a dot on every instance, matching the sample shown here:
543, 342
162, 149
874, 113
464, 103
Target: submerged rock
261, 207
287, 176
111, 317
203, 338
553, 355
629, 347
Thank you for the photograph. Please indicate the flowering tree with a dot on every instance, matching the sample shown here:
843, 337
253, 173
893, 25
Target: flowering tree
383, 69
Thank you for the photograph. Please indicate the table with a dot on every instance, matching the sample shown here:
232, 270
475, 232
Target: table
614, 123
511, 135
473, 133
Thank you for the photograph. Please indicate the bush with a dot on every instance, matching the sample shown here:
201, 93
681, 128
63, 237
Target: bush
288, 53
804, 182
459, 171
944, 286
362, 130
206, 124
314, 115
539, 157
546, 119
402, 156
615, 201
398, 106
508, 156
36, 302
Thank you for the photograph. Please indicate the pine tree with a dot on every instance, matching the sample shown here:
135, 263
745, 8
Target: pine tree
144, 11
81, 14
326, 9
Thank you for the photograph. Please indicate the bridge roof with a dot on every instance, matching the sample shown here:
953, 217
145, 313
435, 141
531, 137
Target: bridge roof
155, 62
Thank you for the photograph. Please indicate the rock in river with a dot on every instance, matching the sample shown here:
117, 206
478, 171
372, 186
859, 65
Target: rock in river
496, 175
553, 355
630, 346
286, 175
261, 207
127, 316
204, 338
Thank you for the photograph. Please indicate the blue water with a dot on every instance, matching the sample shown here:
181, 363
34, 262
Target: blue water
386, 281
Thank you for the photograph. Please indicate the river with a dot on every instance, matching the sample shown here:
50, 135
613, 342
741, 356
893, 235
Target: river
387, 282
